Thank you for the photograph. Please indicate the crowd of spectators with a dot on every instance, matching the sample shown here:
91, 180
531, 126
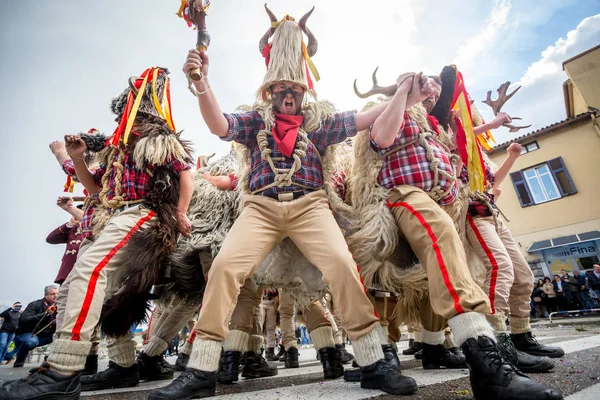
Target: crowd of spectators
565, 292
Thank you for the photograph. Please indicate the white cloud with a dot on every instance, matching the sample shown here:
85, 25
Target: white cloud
468, 55
540, 101
550, 64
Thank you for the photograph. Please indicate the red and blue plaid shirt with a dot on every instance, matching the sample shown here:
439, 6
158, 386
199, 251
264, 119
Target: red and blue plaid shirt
243, 128
133, 182
476, 207
410, 166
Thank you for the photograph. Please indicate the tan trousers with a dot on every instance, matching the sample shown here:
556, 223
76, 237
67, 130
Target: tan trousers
314, 316
268, 321
509, 279
89, 286
432, 236
385, 309
243, 316
61, 301
263, 223
168, 324
339, 334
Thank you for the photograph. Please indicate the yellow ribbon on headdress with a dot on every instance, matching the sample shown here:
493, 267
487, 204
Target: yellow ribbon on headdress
309, 62
166, 113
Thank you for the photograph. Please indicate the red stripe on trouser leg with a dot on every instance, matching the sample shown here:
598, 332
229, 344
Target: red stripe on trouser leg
490, 256
438, 253
89, 295
150, 326
362, 282
192, 337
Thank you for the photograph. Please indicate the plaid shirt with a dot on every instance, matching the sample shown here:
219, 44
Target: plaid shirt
243, 128
409, 165
476, 207
133, 182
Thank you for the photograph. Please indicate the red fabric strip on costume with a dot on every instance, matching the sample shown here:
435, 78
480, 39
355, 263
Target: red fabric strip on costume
266, 53
436, 248
490, 256
89, 296
285, 132
434, 123
192, 337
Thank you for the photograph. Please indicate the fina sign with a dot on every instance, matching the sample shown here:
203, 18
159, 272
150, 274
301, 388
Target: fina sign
578, 250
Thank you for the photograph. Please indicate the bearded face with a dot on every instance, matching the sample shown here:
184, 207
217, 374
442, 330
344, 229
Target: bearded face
430, 102
287, 97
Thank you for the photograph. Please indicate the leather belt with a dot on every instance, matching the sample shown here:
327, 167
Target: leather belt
286, 196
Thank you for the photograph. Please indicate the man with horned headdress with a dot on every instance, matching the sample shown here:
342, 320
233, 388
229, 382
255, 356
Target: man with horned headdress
144, 185
286, 137
415, 176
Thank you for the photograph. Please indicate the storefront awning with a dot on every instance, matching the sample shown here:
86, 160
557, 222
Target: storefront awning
563, 241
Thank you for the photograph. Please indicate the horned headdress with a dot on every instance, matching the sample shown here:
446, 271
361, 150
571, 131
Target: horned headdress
287, 57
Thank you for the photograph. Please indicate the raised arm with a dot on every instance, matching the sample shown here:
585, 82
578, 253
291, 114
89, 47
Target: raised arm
209, 107
76, 147
497, 122
411, 90
514, 151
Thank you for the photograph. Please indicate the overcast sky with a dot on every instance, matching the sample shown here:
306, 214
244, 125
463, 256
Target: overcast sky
62, 61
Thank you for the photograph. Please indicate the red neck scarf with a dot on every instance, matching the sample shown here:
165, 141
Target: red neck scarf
433, 122
285, 132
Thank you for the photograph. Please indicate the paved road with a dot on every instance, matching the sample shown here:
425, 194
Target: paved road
577, 375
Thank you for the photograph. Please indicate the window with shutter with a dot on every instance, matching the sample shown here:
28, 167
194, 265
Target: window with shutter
521, 188
562, 177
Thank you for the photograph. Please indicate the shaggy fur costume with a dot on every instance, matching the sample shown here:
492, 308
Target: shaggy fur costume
212, 212
386, 260
148, 248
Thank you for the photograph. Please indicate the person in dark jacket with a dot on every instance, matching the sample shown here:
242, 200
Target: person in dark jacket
583, 289
69, 234
9, 327
593, 278
36, 325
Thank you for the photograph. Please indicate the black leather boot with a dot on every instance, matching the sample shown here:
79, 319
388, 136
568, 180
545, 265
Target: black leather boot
416, 346
270, 355
182, 362
229, 366
523, 361
257, 367
281, 353
437, 356
527, 343
283, 356
384, 376
165, 364
346, 357
114, 377
390, 353
152, 369
331, 360
42, 384
190, 384
493, 377
91, 365
291, 358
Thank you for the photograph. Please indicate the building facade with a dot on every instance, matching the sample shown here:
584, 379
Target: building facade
552, 197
